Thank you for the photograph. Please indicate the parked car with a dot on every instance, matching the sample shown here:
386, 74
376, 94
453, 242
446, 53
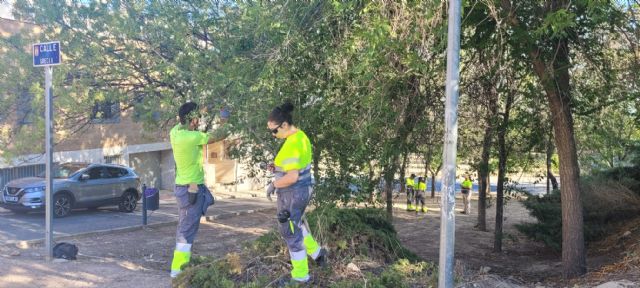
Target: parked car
75, 185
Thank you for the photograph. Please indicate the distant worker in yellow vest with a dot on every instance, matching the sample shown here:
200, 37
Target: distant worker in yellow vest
192, 195
422, 187
293, 185
410, 191
466, 191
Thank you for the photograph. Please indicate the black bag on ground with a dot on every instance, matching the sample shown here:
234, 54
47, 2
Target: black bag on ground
65, 250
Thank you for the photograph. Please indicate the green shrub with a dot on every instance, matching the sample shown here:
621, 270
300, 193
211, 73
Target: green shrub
351, 232
205, 272
605, 202
627, 176
402, 273
548, 211
351, 235
268, 243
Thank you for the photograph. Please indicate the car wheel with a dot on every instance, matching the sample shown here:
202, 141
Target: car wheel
128, 202
62, 205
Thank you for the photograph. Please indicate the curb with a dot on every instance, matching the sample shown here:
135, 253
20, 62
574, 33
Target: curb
27, 244
251, 194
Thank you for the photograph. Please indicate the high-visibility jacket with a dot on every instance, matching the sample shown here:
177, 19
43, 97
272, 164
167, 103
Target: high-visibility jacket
295, 154
466, 184
409, 182
422, 186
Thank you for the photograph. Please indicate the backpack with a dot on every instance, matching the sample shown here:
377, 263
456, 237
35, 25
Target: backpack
65, 250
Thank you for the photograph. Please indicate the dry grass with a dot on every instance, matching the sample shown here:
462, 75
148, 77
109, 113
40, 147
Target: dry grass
607, 199
624, 245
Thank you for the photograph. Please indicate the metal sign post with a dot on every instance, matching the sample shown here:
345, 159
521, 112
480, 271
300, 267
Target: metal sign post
48, 73
447, 219
45, 55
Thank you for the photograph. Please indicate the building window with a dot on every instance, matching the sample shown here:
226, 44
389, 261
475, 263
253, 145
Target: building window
113, 159
106, 112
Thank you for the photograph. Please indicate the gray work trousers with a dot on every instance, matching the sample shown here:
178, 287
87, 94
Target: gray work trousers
189, 215
466, 200
410, 195
295, 201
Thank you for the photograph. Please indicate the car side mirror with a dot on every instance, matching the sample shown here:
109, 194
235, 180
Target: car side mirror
84, 177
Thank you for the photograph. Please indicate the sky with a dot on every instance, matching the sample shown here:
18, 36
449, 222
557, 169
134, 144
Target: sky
5, 9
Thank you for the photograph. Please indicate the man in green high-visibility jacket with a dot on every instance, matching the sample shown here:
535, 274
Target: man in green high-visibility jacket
187, 143
410, 192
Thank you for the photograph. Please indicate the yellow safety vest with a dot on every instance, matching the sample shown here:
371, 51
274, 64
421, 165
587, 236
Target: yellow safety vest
409, 182
466, 184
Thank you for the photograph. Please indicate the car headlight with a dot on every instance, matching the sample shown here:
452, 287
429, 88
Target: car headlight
34, 189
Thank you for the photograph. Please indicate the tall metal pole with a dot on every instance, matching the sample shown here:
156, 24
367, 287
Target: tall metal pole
447, 222
48, 72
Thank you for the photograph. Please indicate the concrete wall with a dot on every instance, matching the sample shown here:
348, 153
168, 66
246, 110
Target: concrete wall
219, 168
126, 132
168, 170
147, 166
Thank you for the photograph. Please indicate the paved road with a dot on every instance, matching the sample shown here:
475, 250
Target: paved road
20, 227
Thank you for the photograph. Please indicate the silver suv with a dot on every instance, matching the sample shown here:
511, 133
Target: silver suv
76, 185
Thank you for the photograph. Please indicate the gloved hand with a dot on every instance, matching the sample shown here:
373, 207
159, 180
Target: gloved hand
193, 197
270, 190
271, 167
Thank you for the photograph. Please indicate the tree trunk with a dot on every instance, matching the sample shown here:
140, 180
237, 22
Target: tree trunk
554, 182
490, 95
429, 158
433, 184
372, 195
502, 170
427, 163
389, 172
403, 169
553, 72
549, 153
483, 178
556, 85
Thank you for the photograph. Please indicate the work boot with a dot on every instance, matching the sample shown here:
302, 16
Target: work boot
321, 260
424, 210
287, 281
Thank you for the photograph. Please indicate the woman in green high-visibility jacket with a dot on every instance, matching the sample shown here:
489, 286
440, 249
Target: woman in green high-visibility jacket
293, 185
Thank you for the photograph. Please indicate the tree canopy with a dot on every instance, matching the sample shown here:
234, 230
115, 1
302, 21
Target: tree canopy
366, 78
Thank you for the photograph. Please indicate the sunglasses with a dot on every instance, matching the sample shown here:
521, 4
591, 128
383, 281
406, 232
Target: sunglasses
275, 130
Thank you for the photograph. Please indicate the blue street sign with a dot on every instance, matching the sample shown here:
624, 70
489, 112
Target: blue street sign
46, 54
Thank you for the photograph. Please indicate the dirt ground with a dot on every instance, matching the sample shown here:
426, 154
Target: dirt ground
141, 258
523, 260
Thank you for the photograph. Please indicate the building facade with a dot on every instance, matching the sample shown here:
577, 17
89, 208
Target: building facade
112, 136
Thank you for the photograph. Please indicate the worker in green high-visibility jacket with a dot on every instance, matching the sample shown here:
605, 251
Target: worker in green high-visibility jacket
465, 189
192, 195
293, 186
410, 192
